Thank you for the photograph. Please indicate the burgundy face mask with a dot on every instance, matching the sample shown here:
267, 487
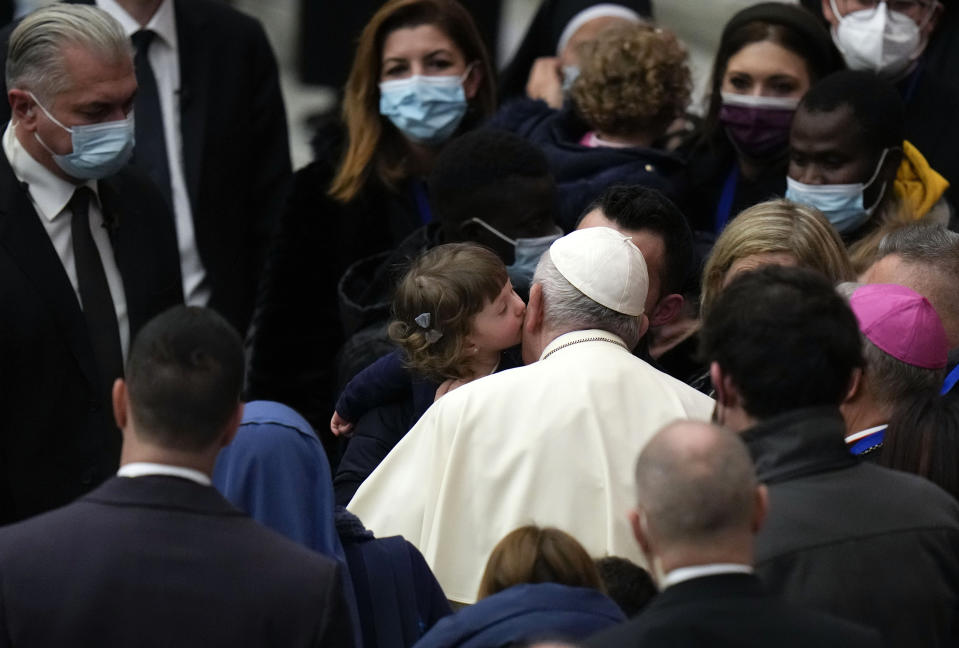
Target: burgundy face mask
757, 126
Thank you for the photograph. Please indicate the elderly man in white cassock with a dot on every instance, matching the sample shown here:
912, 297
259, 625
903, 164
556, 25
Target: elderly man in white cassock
552, 443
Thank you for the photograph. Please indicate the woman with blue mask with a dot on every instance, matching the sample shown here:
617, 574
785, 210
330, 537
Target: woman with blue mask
420, 76
769, 55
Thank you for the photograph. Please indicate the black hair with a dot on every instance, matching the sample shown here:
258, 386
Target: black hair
495, 176
635, 207
923, 439
876, 106
628, 584
785, 338
184, 375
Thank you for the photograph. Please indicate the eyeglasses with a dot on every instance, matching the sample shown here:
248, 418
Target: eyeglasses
918, 10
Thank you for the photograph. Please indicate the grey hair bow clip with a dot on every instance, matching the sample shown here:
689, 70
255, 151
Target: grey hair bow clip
432, 335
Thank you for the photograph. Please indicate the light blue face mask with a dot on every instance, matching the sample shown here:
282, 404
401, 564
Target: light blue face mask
425, 108
526, 253
99, 150
842, 204
570, 74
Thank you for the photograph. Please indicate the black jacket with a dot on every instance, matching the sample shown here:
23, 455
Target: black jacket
730, 610
865, 543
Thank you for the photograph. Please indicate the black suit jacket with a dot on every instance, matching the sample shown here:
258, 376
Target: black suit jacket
236, 151
731, 610
163, 561
57, 435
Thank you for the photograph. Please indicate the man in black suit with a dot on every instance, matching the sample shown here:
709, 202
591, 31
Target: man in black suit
699, 509
211, 133
156, 556
87, 255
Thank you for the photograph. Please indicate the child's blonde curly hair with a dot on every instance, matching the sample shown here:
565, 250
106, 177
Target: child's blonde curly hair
634, 79
435, 303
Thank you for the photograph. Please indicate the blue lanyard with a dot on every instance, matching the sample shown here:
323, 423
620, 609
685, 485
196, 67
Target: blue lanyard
951, 379
725, 205
422, 202
868, 442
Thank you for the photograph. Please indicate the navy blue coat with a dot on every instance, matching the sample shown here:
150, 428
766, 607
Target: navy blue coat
526, 613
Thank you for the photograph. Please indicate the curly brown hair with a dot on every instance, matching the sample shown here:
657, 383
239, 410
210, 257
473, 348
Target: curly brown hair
451, 283
634, 79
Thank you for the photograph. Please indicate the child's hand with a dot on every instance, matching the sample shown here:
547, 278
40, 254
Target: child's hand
340, 426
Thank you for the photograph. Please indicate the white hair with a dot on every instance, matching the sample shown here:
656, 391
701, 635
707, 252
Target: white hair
566, 308
35, 58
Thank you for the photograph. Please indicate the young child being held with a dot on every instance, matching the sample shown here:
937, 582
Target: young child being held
454, 314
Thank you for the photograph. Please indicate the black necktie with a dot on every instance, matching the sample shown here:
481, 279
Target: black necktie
150, 153
95, 297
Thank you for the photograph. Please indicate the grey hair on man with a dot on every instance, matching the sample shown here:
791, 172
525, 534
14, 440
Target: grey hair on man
924, 257
37, 48
566, 308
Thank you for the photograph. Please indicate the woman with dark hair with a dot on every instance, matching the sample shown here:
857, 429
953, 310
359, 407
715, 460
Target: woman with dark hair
769, 55
923, 438
421, 74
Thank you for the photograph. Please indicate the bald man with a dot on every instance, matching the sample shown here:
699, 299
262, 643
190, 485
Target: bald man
699, 508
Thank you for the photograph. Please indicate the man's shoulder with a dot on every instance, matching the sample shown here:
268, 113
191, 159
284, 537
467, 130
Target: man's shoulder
219, 20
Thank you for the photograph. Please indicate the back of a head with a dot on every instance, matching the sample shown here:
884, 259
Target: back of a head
876, 105
635, 207
435, 303
184, 375
532, 554
35, 54
776, 226
696, 486
497, 177
634, 80
931, 255
628, 584
785, 338
923, 439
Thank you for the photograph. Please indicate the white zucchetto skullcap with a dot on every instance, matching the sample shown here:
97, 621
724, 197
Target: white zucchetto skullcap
605, 266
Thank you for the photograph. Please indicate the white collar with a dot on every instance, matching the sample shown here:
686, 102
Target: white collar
681, 574
163, 21
143, 468
852, 438
50, 192
576, 337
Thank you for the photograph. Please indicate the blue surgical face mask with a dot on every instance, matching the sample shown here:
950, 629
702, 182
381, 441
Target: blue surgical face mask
842, 204
526, 253
425, 108
99, 150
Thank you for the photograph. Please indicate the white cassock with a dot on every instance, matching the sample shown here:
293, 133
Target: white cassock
553, 443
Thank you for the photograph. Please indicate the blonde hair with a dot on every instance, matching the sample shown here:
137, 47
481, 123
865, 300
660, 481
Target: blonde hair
450, 284
633, 79
531, 554
776, 226
372, 146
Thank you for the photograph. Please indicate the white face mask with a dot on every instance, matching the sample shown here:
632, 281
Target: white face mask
878, 40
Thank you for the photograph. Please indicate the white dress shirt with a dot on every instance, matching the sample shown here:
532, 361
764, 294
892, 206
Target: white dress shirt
681, 574
51, 196
144, 468
165, 60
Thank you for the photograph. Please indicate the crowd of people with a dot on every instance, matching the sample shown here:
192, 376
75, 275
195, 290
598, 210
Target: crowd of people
546, 358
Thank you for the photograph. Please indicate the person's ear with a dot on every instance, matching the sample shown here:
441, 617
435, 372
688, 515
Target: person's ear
666, 310
232, 425
827, 13
726, 393
534, 310
761, 508
23, 109
643, 326
121, 405
474, 79
856, 385
937, 9
640, 532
